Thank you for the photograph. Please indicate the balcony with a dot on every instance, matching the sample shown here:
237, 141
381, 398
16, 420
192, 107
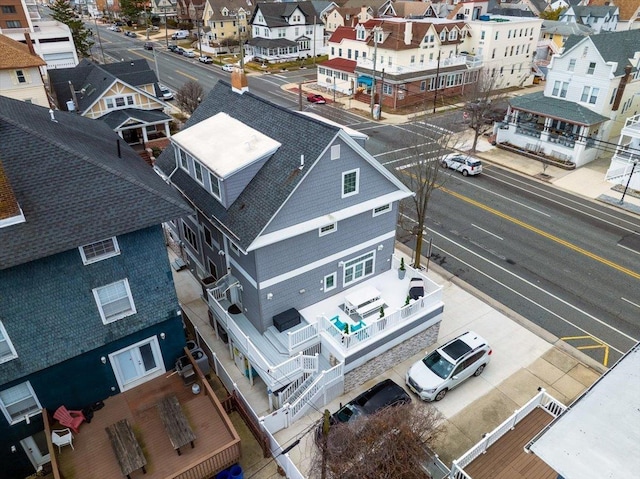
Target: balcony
217, 444
459, 60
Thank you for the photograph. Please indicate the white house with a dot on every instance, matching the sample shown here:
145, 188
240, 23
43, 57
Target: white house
285, 31
600, 18
592, 87
20, 75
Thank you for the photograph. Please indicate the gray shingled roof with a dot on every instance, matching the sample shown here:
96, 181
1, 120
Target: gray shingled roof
616, 47
594, 10
556, 108
117, 118
273, 183
96, 79
274, 13
71, 185
565, 28
271, 42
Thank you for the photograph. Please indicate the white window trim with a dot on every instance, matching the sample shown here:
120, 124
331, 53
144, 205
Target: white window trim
382, 210
357, 190
118, 316
328, 229
234, 248
204, 236
6, 339
185, 167
212, 178
197, 164
333, 275
12, 421
355, 280
115, 252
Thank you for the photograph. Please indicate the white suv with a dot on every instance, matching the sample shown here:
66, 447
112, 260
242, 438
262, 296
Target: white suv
448, 366
464, 164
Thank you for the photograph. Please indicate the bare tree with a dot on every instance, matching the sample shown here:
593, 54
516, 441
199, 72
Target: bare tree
189, 96
423, 174
484, 103
390, 444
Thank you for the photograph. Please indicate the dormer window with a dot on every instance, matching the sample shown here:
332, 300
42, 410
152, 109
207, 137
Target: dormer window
443, 35
225, 12
99, 250
379, 36
453, 35
360, 33
7, 351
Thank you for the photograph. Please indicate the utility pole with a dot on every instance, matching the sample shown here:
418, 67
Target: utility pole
95, 22
314, 39
633, 169
373, 77
146, 20
435, 95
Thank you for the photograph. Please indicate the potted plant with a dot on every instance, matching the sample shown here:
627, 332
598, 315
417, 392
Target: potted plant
408, 300
382, 311
401, 270
346, 328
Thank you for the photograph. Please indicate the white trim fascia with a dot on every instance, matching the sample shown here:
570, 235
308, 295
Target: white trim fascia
13, 220
241, 270
329, 259
315, 223
139, 90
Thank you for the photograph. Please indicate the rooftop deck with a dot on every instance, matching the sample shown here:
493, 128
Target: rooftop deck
217, 444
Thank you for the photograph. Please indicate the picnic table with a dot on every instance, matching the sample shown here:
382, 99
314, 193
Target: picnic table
363, 301
175, 422
126, 448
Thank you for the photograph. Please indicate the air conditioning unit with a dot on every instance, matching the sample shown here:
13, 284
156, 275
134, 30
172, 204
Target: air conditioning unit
459, 16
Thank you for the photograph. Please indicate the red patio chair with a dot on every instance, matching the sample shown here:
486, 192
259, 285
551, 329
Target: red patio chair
71, 419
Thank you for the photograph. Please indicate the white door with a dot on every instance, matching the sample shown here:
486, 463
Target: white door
36, 448
137, 364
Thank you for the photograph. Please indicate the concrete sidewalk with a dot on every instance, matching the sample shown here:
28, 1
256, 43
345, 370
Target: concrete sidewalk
524, 358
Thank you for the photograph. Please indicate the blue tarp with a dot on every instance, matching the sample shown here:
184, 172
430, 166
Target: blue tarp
365, 81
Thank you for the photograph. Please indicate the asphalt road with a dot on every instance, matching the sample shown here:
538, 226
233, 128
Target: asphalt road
568, 264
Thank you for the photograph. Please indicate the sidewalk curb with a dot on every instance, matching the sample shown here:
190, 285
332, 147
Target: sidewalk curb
509, 313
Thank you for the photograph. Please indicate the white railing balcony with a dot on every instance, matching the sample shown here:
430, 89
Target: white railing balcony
367, 63
324, 380
632, 127
301, 336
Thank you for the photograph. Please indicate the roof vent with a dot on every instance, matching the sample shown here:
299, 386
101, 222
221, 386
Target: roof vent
301, 162
53, 118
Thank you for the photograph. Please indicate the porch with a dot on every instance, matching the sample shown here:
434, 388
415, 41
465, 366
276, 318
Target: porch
501, 454
217, 444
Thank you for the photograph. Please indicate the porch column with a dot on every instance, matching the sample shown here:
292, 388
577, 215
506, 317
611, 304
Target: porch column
167, 130
145, 138
547, 124
544, 136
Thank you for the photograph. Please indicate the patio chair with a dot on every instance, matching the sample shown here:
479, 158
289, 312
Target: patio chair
358, 326
62, 437
337, 323
416, 288
71, 419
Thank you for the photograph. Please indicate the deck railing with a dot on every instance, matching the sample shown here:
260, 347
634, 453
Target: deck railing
321, 384
542, 399
301, 336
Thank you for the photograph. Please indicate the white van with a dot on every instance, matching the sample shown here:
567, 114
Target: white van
180, 35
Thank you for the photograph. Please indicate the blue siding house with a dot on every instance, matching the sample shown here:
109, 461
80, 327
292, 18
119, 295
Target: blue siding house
294, 233
88, 307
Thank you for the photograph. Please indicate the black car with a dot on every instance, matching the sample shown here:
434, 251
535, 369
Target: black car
130, 34
384, 394
172, 48
148, 45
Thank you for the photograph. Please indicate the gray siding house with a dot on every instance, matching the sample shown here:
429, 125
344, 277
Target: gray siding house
294, 232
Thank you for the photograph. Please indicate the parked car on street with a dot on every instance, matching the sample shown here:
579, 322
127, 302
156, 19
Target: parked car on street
228, 67
172, 47
131, 34
114, 28
205, 59
178, 50
165, 93
313, 98
462, 163
148, 45
187, 52
448, 366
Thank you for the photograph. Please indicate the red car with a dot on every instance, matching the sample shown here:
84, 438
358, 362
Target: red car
313, 98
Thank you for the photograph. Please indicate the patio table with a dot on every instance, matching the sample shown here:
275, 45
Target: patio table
175, 422
359, 298
126, 448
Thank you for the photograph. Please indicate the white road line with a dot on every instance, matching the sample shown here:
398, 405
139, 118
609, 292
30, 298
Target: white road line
488, 232
508, 199
274, 83
629, 249
280, 76
566, 303
545, 194
631, 302
402, 149
372, 127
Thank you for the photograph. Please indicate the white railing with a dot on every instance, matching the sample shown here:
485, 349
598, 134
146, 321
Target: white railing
289, 392
283, 460
542, 399
416, 67
321, 384
301, 336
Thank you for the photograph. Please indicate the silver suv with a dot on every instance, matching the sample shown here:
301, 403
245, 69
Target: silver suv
448, 366
464, 164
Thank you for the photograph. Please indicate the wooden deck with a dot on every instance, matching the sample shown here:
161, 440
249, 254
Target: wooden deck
217, 444
506, 459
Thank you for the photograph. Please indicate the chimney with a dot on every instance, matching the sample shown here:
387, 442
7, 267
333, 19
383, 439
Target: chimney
408, 33
239, 83
363, 14
27, 37
621, 88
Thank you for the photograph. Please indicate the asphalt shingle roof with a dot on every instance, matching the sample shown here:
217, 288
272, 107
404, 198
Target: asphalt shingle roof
16, 55
275, 14
71, 185
556, 108
616, 47
277, 178
117, 118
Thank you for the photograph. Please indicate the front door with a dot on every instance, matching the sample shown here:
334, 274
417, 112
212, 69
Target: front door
36, 448
137, 364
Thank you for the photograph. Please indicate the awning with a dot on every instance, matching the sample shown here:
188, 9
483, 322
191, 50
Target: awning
365, 81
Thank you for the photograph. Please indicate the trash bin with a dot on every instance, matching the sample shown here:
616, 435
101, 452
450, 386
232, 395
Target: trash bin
206, 283
201, 360
236, 472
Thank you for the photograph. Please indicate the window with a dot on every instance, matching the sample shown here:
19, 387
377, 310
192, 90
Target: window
358, 268
556, 88
387, 89
14, 24
190, 235
100, 250
325, 230
7, 351
593, 98
482, 35
114, 301
563, 90
592, 68
330, 282
198, 170
18, 402
21, 76
8, 9
382, 209
572, 65
350, 183
423, 85
207, 237
183, 160
497, 33
234, 248
335, 152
